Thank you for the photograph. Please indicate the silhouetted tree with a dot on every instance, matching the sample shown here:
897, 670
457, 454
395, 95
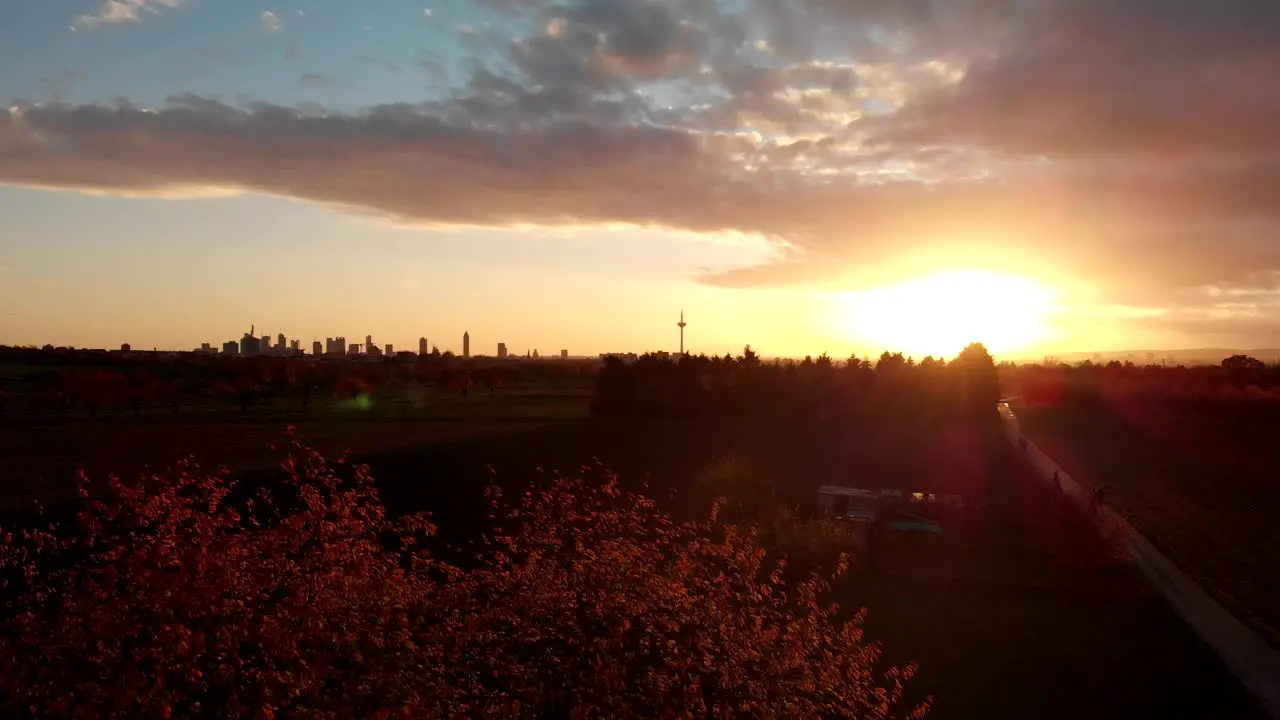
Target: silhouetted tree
978, 381
1243, 370
246, 390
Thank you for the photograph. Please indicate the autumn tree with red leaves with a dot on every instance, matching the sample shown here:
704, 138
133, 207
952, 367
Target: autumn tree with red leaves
179, 597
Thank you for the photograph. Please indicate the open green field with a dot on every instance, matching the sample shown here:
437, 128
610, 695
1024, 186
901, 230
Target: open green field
1199, 484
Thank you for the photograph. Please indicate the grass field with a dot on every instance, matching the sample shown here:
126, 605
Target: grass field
42, 456
1016, 611
1200, 484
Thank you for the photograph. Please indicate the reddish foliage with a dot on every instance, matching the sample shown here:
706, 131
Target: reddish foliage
171, 598
93, 389
351, 387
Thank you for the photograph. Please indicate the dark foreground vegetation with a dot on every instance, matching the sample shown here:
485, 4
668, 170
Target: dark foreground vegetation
586, 601
1188, 454
694, 581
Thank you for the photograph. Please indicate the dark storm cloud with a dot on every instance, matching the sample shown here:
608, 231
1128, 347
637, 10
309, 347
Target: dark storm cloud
1133, 142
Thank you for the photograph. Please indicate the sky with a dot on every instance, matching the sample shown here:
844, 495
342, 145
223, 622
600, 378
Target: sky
800, 175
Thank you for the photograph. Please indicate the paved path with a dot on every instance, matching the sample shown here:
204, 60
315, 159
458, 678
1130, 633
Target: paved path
1247, 655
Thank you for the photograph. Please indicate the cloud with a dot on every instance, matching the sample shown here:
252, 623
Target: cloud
380, 63
861, 136
122, 12
270, 21
1072, 81
318, 80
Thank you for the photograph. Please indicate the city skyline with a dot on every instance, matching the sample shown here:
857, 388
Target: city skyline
339, 345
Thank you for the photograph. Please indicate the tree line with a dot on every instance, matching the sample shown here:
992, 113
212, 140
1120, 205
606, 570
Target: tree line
1238, 378
815, 387
90, 385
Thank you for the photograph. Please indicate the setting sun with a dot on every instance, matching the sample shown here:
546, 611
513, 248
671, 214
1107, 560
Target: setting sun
938, 314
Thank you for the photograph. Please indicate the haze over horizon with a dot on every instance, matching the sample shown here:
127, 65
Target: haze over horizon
800, 175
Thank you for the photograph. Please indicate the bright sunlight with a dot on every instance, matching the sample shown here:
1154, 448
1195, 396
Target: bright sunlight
938, 314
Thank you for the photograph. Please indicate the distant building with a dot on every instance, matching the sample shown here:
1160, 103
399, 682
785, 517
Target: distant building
535, 353
316, 348
250, 344
281, 342
466, 344
391, 350
230, 347
125, 348
502, 350
335, 346
295, 345
423, 347
206, 348
353, 350
564, 354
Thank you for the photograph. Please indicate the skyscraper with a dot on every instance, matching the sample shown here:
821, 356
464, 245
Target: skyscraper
317, 348
249, 344
502, 350
466, 344
423, 348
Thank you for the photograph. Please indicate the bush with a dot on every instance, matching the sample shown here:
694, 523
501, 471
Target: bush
180, 596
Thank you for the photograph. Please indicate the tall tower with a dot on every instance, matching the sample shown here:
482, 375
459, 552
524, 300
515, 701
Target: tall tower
466, 344
681, 325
